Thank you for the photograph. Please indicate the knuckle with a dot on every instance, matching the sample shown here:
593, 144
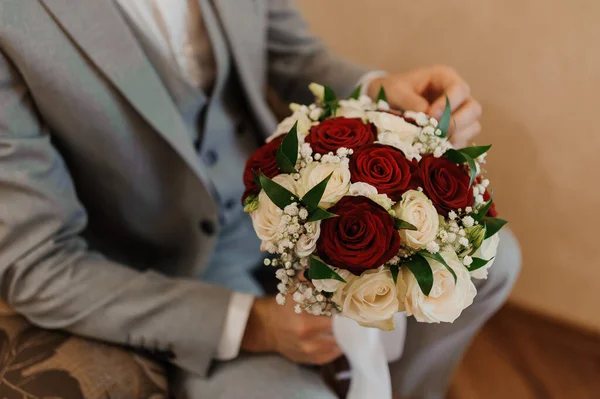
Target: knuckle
308, 348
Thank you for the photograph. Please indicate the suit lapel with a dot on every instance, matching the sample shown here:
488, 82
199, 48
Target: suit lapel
244, 26
102, 34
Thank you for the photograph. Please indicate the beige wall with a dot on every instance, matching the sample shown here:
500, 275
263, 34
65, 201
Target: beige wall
535, 66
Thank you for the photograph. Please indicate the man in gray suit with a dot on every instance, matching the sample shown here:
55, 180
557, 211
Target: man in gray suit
124, 127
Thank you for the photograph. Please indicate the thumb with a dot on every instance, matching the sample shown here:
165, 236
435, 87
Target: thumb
408, 100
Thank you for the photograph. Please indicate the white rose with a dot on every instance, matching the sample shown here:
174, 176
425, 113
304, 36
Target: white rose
316, 172
487, 250
447, 299
307, 242
394, 140
265, 218
364, 189
382, 200
386, 122
304, 125
416, 209
355, 108
333, 285
367, 190
371, 299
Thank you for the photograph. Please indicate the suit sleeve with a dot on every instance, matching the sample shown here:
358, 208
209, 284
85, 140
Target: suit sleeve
48, 275
297, 58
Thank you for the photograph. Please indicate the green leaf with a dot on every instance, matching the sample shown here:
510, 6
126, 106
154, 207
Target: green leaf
474, 152
312, 198
287, 153
394, 269
458, 158
356, 92
478, 263
401, 224
472, 168
321, 271
280, 195
444, 124
330, 103
438, 258
284, 163
492, 225
319, 214
419, 267
381, 95
481, 212
329, 95
454, 156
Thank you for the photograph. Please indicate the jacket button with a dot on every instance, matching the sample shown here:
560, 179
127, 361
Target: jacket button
211, 158
230, 204
208, 227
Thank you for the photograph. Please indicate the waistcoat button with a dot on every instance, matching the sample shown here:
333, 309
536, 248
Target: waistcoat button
208, 227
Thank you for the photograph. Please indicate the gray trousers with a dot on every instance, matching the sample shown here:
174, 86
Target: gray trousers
431, 354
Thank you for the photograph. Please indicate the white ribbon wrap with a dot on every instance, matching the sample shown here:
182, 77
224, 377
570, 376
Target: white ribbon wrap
368, 351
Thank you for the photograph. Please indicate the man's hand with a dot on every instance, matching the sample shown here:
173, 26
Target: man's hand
424, 90
301, 338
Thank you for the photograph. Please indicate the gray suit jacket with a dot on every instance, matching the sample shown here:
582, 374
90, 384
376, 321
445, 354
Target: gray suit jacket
104, 214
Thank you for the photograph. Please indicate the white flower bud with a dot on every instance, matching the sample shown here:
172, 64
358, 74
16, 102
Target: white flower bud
298, 297
468, 221
433, 247
280, 298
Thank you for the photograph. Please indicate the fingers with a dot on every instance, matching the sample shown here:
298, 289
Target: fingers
466, 115
462, 137
320, 351
447, 82
406, 99
315, 325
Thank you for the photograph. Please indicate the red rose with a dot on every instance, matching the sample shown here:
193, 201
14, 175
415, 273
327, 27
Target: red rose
445, 183
264, 159
362, 237
335, 133
384, 167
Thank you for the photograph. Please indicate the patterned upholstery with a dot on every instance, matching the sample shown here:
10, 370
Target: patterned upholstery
36, 363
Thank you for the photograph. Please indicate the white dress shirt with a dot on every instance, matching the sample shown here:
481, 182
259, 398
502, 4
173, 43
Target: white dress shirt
176, 30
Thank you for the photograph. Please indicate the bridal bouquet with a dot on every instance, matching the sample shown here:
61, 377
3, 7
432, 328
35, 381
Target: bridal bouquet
367, 212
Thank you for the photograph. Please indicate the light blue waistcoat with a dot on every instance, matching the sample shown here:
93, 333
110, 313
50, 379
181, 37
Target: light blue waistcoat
224, 136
